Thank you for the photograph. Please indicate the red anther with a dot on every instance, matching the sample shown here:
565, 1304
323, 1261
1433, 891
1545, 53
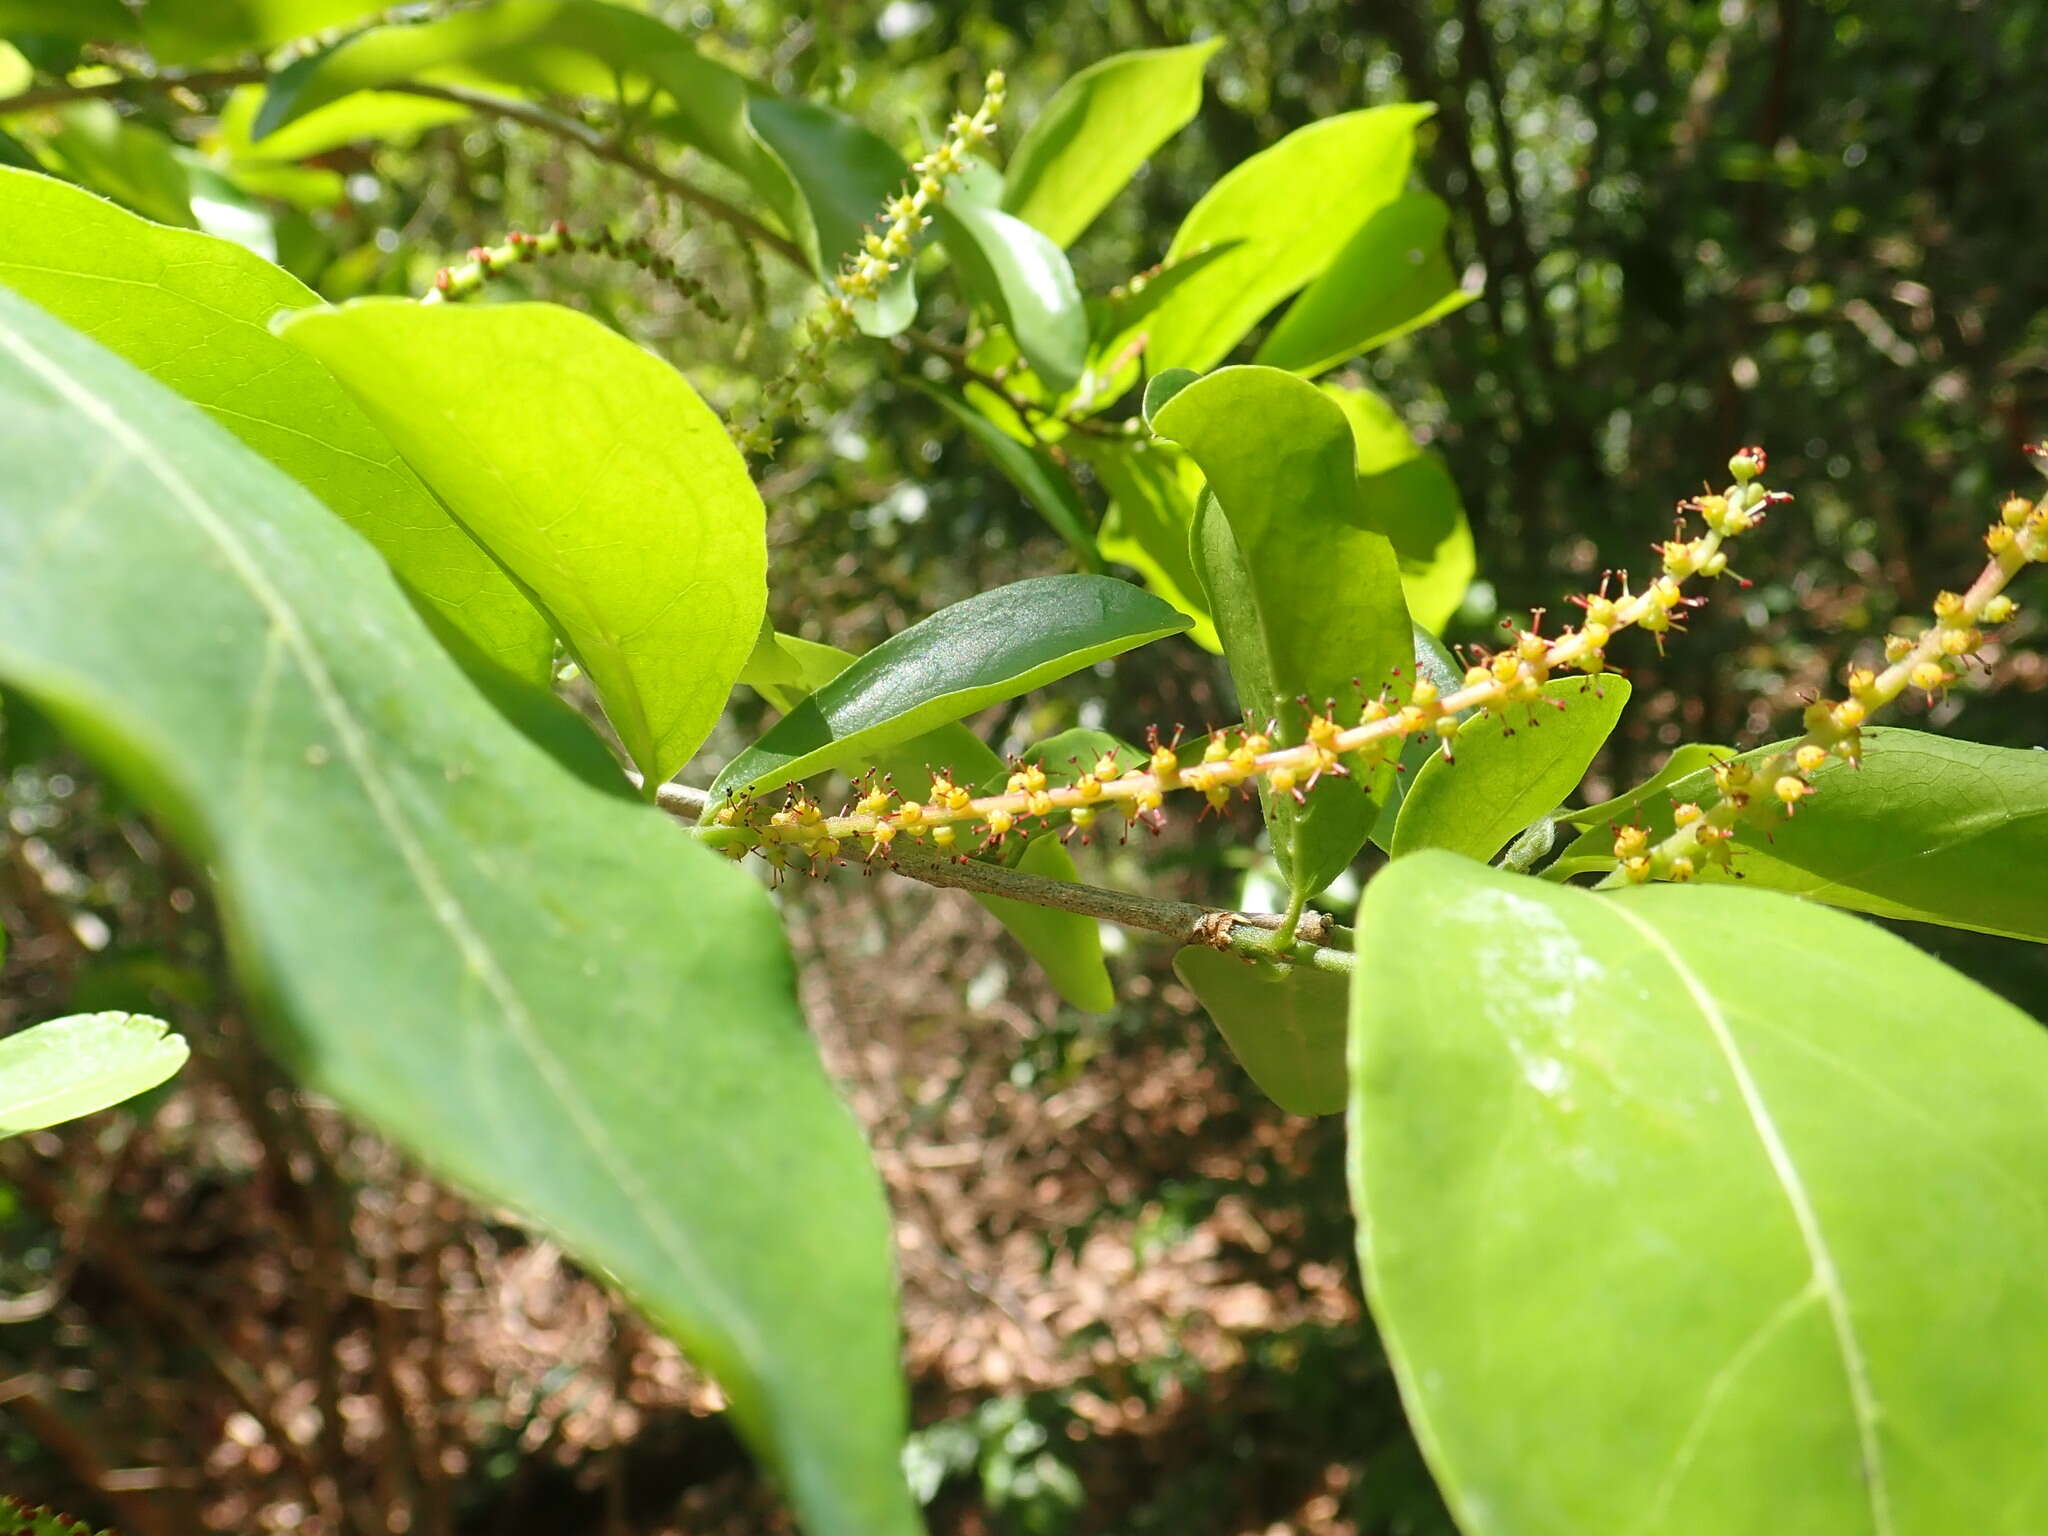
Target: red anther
444, 280
559, 229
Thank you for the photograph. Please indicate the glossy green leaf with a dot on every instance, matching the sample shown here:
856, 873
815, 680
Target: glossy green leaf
1288, 211
193, 312
595, 475
1510, 768
384, 118
1390, 278
991, 647
1153, 491
1284, 1023
53, 1072
1032, 471
1021, 277
1066, 945
1097, 130
100, 20
1409, 496
559, 48
1593, 849
546, 993
1929, 828
1695, 1210
1121, 325
1306, 598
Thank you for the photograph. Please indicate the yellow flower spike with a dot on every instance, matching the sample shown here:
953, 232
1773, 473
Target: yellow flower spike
2015, 510
1107, 767
1948, 607
1715, 564
1998, 538
1218, 750
1862, 685
1791, 789
910, 815
1637, 869
1041, 803
1600, 611
1448, 726
1147, 801
1713, 511
1664, 592
1034, 779
875, 802
1082, 816
1505, 667
1282, 780
1680, 558
1423, 695
1089, 788
1630, 842
1897, 647
1999, 609
1165, 767
1960, 642
1016, 784
1476, 674
1930, 677
1680, 870
882, 836
1217, 796
1686, 814
826, 848
999, 822
943, 837
1810, 757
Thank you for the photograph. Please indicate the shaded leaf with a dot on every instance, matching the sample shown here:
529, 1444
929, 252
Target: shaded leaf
990, 647
1022, 278
1284, 1023
1408, 495
1153, 491
131, 163
1289, 210
595, 475
549, 995
58, 1071
1032, 471
1511, 767
1097, 130
1697, 1210
1390, 278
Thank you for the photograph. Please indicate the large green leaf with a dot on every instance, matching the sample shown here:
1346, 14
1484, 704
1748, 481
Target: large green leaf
53, 1072
1390, 279
130, 162
1510, 767
560, 48
98, 19
988, 648
1066, 945
1284, 1023
1409, 496
1019, 275
1697, 1210
192, 31
193, 312
545, 992
1306, 597
1286, 212
1097, 130
1928, 828
595, 475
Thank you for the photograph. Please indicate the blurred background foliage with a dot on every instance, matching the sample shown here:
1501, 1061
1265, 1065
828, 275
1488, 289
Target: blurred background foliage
1129, 1301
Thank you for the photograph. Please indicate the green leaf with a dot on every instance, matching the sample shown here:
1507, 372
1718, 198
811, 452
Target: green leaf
560, 48
107, 20
595, 475
193, 31
1284, 1023
1409, 496
1510, 768
383, 118
193, 312
1928, 828
1697, 1210
988, 648
1289, 210
53, 1072
548, 994
1390, 278
1435, 663
844, 174
1066, 945
1153, 492
1306, 598
1023, 278
1032, 471
1097, 130
1593, 849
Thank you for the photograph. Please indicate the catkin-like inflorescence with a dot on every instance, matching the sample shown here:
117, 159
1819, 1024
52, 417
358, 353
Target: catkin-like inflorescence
1769, 789
1231, 762
487, 262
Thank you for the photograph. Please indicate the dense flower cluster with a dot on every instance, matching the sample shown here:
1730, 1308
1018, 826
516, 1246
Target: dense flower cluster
489, 261
955, 820
1760, 791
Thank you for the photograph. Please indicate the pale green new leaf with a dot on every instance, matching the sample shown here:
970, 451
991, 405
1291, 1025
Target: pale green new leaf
193, 312
1286, 213
194, 31
1511, 766
57, 1071
991, 647
1694, 1210
1409, 496
1391, 278
1928, 828
1097, 130
1153, 491
1284, 1023
1307, 598
594, 474
542, 990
